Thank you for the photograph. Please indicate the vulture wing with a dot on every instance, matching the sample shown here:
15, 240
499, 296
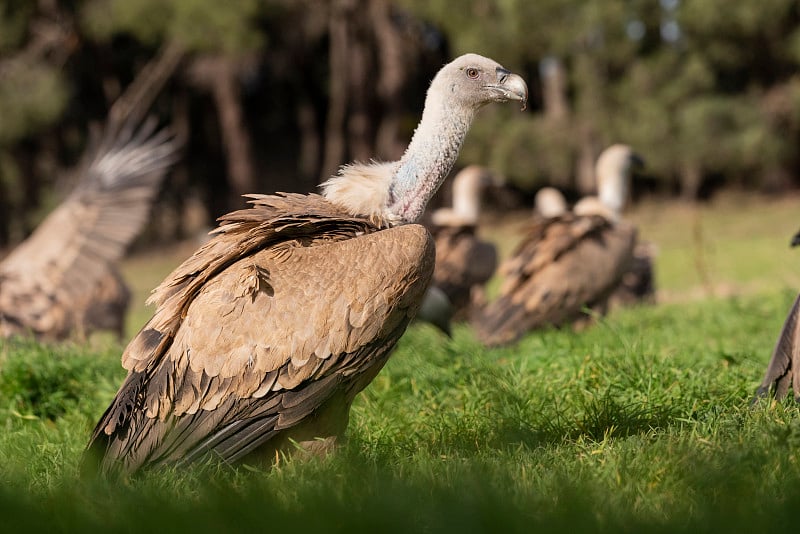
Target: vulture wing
565, 263
782, 369
72, 248
266, 333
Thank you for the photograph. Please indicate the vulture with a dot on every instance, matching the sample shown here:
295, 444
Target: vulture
464, 262
62, 280
566, 262
783, 369
263, 337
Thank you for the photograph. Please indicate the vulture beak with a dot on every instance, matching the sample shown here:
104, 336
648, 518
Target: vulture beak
509, 86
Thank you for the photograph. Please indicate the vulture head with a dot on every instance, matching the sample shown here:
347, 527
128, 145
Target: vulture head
549, 202
398, 192
472, 81
613, 173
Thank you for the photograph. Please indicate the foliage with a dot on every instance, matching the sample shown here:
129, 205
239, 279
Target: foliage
708, 93
197, 24
32, 95
685, 99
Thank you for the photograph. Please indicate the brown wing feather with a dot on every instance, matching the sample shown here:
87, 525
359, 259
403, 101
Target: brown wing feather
782, 369
72, 248
276, 322
566, 263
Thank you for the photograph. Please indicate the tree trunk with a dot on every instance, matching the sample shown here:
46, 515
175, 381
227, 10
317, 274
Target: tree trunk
590, 82
338, 58
359, 130
309, 141
691, 180
554, 89
219, 75
5, 213
585, 181
391, 79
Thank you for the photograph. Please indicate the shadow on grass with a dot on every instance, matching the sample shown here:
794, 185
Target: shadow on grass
599, 419
344, 496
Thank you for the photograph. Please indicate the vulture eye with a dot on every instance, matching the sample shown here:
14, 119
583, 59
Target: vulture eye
472, 72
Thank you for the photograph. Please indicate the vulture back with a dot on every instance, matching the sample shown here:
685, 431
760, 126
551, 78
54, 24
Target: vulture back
565, 263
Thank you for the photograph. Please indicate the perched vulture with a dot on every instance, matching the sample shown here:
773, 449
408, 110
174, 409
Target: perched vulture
566, 262
783, 370
51, 283
262, 338
464, 262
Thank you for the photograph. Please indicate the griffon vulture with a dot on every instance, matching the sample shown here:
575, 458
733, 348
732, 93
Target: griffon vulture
262, 338
51, 282
464, 262
565, 262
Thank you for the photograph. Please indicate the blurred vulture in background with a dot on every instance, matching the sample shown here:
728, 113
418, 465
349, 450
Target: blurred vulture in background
549, 202
63, 279
262, 339
638, 284
567, 262
464, 262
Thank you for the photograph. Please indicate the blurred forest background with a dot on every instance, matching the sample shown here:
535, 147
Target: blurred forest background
273, 95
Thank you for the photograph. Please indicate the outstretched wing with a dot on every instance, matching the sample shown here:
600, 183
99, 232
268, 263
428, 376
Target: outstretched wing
71, 249
782, 369
564, 264
277, 336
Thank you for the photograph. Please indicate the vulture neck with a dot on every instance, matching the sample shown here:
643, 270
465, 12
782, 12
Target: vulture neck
431, 154
467, 195
613, 190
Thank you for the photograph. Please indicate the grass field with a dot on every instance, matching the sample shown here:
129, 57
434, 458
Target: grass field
640, 424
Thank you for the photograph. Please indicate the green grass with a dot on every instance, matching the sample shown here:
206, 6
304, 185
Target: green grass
642, 423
